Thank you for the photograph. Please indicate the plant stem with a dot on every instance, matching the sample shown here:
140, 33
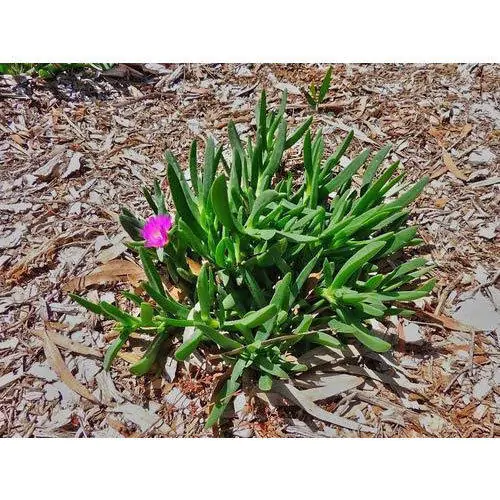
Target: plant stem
275, 340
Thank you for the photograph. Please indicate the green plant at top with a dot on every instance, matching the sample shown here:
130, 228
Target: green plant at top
260, 239
48, 70
315, 96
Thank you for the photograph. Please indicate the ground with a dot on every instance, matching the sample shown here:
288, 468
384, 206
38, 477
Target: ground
73, 150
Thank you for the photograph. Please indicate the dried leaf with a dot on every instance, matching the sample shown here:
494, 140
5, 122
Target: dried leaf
49, 170
57, 362
438, 134
311, 282
68, 344
446, 321
450, 165
194, 266
119, 427
109, 392
467, 128
18, 139
398, 380
441, 202
130, 357
177, 293
331, 385
439, 172
111, 253
288, 391
321, 356
111, 272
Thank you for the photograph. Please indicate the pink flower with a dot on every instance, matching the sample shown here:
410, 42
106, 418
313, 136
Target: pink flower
155, 231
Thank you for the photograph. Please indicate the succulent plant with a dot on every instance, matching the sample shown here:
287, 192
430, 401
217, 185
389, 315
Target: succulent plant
284, 263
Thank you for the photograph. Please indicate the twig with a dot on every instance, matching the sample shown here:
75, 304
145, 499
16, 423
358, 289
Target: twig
445, 294
267, 342
454, 378
73, 126
492, 281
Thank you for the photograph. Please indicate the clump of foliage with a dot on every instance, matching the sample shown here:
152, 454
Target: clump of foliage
316, 96
47, 71
283, 267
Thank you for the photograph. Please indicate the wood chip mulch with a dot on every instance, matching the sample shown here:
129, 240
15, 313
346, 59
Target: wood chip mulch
75, 149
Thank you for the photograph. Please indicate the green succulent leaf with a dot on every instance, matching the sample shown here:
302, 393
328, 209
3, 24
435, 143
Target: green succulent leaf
288, 259
221, 205
91, 306
333, 160
325, 85
184, 201
374, 164
145, 364
203, 291
265, 382
298, 133
346, 175
255, 318
189, 346
356, 261
226, 393
112, 351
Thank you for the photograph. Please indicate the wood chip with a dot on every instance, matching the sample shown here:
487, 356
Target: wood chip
140, 416
8, 378
74, 165
487, 182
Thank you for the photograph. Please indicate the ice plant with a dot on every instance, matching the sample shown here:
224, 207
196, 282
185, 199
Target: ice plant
155, 231
284, 262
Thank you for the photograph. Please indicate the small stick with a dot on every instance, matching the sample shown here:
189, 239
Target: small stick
445, 294
267, 342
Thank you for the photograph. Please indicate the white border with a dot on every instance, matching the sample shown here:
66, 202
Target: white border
308, 469
256, 31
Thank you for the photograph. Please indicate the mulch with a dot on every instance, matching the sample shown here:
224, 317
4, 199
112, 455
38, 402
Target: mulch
76, 149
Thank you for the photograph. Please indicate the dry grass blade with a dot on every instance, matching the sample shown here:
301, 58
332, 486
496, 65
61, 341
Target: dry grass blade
111, 272
69, 344
56, 361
